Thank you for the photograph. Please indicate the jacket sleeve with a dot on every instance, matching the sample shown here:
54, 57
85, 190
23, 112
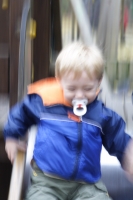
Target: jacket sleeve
114, 137
22, 116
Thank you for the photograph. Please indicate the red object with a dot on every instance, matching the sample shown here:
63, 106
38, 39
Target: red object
126, 18
80, 105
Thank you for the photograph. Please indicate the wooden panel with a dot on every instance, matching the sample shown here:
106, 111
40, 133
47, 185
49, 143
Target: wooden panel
56, 25
4, 50
14, 19
5, 171
41, 46
56, 39
4, 39
3, 75
4, 24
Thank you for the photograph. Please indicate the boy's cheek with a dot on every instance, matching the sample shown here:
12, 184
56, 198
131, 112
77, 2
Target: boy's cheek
68, 95
69, 98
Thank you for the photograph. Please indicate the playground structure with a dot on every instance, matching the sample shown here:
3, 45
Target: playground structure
57, 24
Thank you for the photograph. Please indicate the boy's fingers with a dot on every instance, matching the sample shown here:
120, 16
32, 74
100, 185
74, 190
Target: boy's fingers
128, 159
12, 146
11, 156
22, 146
11, 153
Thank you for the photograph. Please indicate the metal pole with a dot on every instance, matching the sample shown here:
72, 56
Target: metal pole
83, 21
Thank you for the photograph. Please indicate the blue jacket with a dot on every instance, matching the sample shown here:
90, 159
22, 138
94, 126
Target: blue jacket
66, 146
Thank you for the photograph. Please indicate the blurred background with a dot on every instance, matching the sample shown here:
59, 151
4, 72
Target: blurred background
32, 33
112, 29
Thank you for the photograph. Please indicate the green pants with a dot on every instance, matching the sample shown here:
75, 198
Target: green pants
47, 188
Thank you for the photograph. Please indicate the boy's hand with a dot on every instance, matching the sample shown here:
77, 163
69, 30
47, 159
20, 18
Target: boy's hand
128, 161
12, 146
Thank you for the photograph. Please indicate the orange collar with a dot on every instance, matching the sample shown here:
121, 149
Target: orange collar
50, 91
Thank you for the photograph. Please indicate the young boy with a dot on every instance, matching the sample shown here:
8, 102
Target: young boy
66, 159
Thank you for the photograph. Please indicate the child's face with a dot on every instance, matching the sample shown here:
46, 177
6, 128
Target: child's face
79, 88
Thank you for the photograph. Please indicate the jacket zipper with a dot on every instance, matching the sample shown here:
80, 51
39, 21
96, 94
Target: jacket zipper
79, 145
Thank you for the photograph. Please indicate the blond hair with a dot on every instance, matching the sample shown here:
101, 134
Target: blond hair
77, 57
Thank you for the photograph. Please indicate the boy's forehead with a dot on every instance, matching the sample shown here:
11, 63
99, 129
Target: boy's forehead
85, 84
83, 79
72, 76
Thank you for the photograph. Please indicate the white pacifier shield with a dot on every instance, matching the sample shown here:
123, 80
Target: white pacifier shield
79, 107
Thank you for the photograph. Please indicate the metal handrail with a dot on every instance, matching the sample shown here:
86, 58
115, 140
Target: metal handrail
24, 20
19, 163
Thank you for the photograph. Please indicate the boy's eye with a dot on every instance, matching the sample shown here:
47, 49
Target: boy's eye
87, 89
71, 89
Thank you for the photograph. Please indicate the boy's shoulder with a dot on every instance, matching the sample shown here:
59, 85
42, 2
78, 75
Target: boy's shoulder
99, 110
41, 85
49, 90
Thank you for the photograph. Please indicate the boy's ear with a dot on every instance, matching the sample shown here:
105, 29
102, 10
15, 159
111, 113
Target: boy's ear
98, 89
100, 81
97, 92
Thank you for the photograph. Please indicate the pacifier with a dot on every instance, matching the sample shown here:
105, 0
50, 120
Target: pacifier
79, 107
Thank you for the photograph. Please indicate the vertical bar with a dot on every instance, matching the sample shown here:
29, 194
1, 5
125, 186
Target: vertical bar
83, 22
41, 45
14, 17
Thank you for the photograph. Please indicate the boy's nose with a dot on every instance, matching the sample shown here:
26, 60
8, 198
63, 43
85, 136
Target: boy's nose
79, 95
